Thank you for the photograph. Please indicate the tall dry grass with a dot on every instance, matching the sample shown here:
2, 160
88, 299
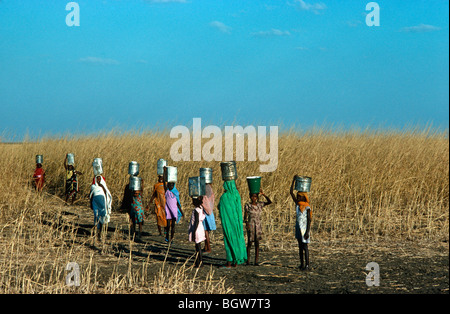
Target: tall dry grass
366, 185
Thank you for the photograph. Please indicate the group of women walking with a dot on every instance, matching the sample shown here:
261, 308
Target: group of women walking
165, 201
100, 198
232, 224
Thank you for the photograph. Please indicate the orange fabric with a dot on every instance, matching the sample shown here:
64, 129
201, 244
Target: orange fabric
303, 205
160, 203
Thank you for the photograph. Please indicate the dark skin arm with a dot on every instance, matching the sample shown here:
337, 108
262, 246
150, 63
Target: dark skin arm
142, 186
268, 201
294, 197
154, 193
196, 222
152, 197
104, 191
308, 224
103, 188
246, 217
164, 179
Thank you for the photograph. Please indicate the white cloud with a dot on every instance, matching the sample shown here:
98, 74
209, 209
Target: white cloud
221, 27
313, 7
96, 60
353, 23
272, 32
421, 28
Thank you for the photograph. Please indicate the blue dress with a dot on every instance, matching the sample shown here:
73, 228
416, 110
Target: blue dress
210, 222
99, 208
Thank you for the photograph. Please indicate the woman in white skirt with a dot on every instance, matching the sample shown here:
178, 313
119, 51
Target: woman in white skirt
100, 199
302, 225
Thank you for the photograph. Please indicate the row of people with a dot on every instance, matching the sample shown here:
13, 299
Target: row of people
168, 211
202, 220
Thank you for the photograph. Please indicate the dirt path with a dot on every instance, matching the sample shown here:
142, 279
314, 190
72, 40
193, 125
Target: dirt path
336, 267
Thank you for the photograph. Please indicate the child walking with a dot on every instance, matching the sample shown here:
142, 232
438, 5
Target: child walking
252, 219
302, 224
137, 213
196, 229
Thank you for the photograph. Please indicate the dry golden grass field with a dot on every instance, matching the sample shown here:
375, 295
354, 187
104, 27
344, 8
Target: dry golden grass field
372, 192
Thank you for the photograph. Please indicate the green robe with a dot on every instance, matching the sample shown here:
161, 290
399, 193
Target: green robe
233, 227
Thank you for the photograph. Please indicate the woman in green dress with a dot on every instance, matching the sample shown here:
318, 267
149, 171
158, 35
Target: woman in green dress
230, 210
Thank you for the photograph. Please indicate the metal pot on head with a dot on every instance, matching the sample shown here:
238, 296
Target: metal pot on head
97, 166
197, 186
207, 173
303, 183
229, 171
160, 166
71, 159
133, 168
135, 183
171, 174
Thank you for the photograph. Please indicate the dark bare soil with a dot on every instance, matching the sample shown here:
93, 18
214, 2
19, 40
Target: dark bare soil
337, 267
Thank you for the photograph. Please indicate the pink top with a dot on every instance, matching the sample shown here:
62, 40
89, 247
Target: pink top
171, 205
200, 232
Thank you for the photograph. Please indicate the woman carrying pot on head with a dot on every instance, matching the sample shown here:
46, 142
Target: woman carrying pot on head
302, 224
100, 200
252, 220
71, 181
137, 212
172, 207
158, 196
230, 211
39, 177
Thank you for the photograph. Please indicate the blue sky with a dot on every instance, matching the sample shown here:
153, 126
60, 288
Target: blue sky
143, 63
